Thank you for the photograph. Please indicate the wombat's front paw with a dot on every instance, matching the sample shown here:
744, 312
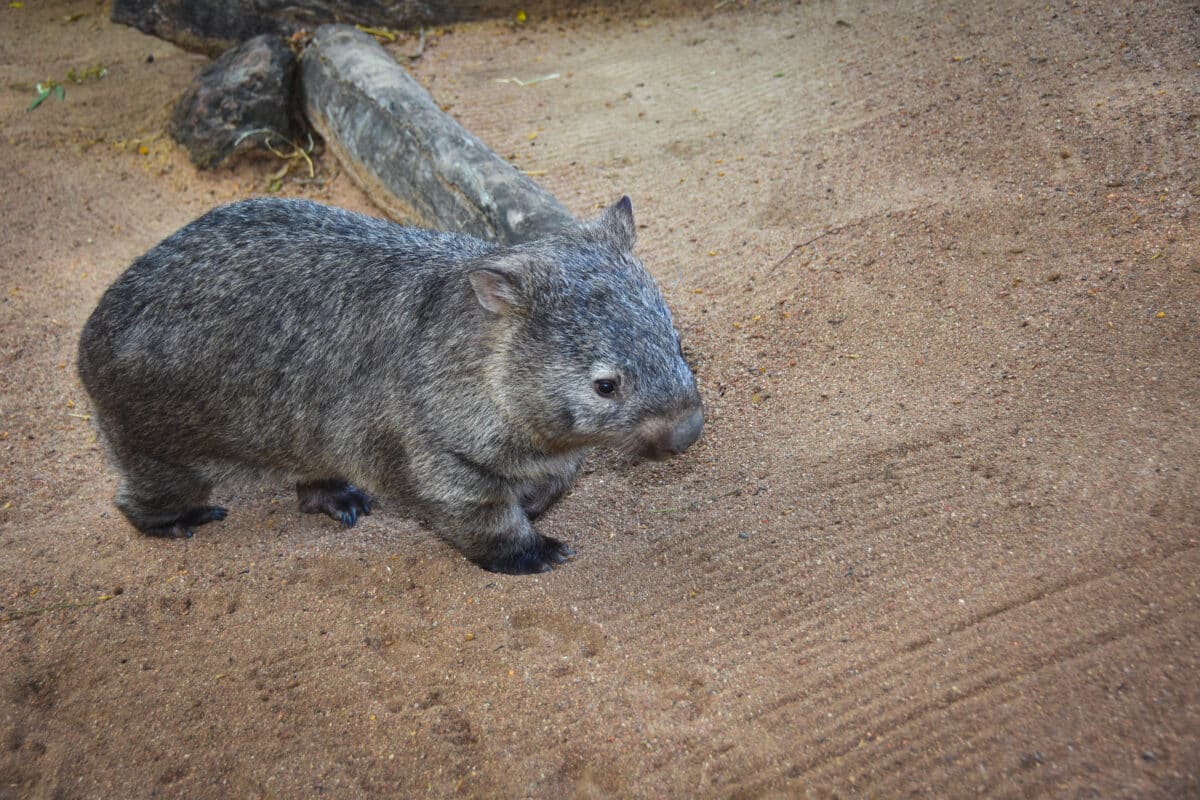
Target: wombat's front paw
338, 499
540, 556
181, 527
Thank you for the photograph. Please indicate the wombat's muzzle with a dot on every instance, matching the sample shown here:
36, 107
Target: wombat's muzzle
672, 437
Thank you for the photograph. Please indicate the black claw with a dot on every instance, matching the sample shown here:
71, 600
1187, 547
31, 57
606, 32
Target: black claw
337, 499
202, 515
538, 557
181, 526
173, 531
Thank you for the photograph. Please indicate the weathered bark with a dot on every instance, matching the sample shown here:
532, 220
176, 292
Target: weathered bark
412, 158
213, 26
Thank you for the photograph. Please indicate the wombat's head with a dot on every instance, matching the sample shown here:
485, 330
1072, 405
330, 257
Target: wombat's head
585, 349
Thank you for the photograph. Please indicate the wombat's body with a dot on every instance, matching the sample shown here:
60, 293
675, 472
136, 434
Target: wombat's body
464, 379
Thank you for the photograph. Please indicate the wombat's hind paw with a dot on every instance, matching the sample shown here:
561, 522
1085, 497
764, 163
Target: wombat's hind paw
542, 556
181, 527
338, 499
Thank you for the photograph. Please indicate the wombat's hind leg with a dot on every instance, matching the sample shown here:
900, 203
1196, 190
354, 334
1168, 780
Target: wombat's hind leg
164, 500
334, 497
181, 526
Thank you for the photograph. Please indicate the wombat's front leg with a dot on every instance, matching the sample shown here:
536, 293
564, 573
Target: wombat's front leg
334, 497
538, 497
499, 538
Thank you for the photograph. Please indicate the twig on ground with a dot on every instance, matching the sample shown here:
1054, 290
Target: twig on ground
297, 150
531, 81
420, 48
378, 33
29, 612
839, 229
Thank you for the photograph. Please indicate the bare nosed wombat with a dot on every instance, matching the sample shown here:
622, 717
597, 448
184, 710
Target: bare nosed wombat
465, 379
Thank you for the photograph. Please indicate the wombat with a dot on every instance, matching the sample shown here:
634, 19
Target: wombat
465, 379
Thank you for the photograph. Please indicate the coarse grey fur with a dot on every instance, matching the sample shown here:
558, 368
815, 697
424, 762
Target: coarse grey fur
464, 379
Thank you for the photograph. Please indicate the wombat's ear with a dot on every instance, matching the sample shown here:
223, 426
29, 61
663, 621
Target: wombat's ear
497, 291
617, 221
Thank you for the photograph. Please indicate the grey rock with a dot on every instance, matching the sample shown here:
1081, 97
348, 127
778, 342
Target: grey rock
411, 157
248, 89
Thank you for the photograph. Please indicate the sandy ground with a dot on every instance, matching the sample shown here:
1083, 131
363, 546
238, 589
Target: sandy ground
937, 269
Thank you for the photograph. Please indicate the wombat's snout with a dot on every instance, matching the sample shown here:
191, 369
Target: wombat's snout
670, 437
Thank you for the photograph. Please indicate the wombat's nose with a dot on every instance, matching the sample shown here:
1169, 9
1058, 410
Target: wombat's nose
686, 431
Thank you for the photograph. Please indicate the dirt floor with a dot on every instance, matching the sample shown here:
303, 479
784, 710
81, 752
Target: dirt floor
936, 266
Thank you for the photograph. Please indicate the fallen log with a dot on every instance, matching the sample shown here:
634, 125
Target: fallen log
412, 158
213, 26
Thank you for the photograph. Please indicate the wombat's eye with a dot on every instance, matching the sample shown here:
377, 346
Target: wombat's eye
605, 387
